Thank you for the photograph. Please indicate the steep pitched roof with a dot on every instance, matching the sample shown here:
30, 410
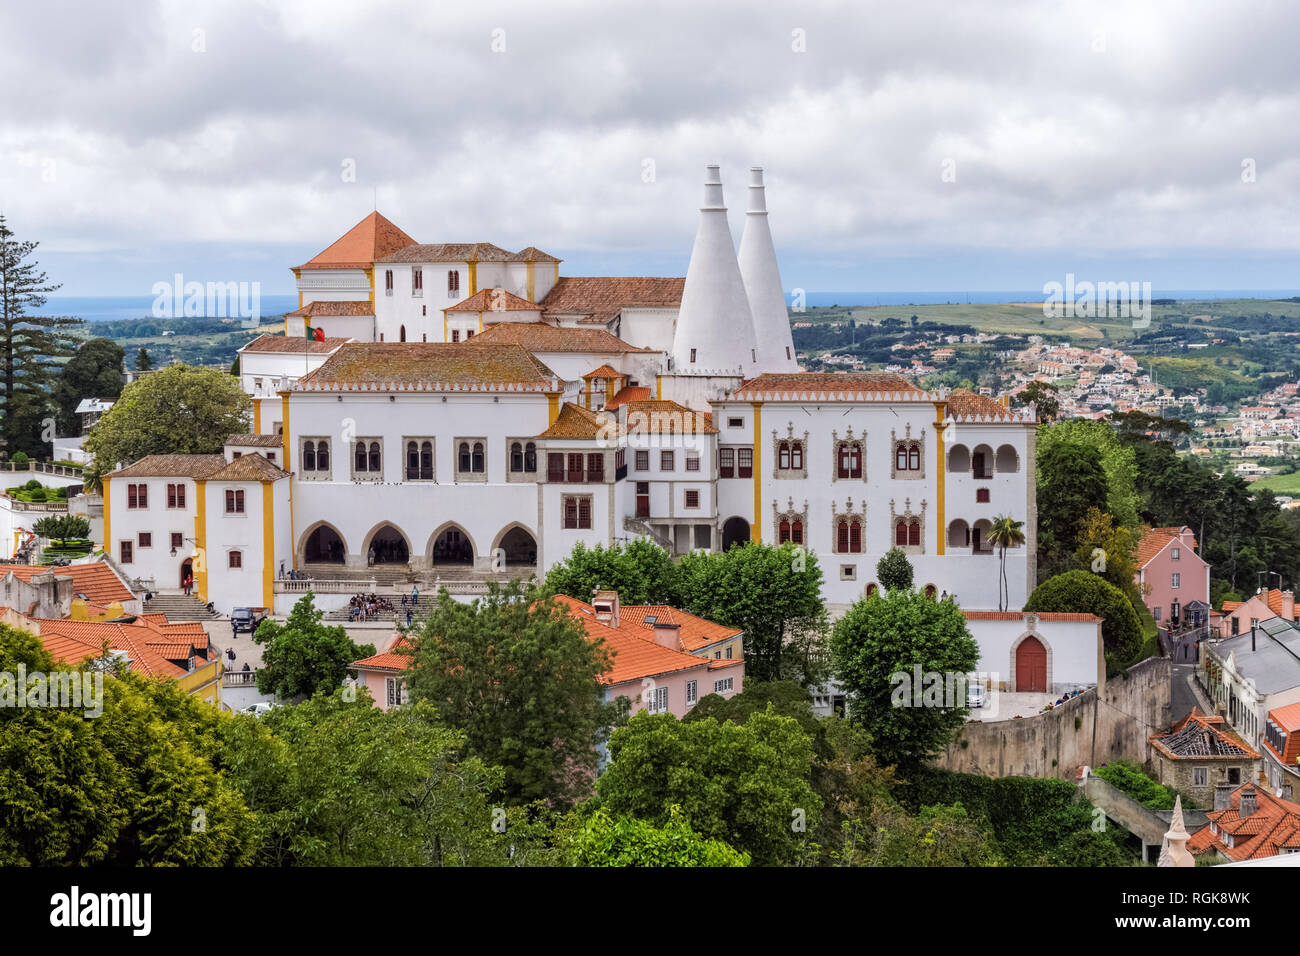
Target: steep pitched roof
660, 417
391, 660
335, 309
695, 632
1271, 828
635, 656
172, 466
249, 468
70, 642
533, 254
95, 579
494, 300
1199, 735
601, 298
540, 337
574, 421
604, 371
1155, 540
626, 394
370, 240
429, 367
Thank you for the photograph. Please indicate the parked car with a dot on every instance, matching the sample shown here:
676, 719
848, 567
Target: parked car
976, 695
260, 709
247, 618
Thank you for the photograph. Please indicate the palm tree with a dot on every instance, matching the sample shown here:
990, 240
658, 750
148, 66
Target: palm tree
1005, 533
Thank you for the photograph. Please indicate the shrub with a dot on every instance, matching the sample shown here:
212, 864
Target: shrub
894, 571
33, 484
20, 459
1083, 592
1129, 779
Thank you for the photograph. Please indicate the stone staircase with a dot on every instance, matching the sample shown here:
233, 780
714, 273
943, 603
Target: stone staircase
178, 607
421, 608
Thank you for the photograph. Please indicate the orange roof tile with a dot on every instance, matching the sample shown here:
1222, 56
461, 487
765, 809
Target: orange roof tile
628, 393
600, 298
696, 633
494, 300
71, 642
95, 579
577, 422
172, 466
255, 441
429, 367
1275, 824
540, 337
659, 417
292, 343
370, 240
451, 252
391, 660
1288, 717
604, 371
965, 405
333, 309
252, 467
849, 385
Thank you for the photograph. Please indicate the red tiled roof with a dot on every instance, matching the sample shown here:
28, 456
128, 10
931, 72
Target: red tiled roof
1274, 825
429, 366
1020, 615
70, 642
197, 467
391, 660
659, 417
831, 385
292, 343
628, 393
600, 298
604, 371
695, 632
450, 252
494, 300
574, 421
1288, 717
251, 467
333, 309
1199, 736
965, 405
255, 441
96, 580
540, 337
370, 240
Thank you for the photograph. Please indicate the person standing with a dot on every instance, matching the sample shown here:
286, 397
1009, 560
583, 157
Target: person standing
408, 617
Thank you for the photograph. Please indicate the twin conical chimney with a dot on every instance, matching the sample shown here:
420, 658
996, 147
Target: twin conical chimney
715, 329
762, 280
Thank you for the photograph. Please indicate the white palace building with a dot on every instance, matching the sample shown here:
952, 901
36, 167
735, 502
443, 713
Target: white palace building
470, 411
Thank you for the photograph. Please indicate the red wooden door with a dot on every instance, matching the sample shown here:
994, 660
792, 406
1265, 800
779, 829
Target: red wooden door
1031, 666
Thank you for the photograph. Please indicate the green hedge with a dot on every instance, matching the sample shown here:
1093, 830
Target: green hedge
1129, 779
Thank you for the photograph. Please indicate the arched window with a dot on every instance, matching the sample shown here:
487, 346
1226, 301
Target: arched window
796, 532
855, 537
900, 534
872, 588
426, 460
850, 464
323, 456
412, 460
901, 462
359, 457
309, 456
530, 457
516, 456
477, 464
796, 455
842, 536
931, 591
783, 535
914, 533
401, 332
914, 459
374, 456
464, 456
783, 455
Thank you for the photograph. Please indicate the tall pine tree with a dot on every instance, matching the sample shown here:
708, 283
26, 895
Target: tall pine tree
31, 347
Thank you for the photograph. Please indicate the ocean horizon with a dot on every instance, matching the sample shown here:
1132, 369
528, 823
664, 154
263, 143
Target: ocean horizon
109, 308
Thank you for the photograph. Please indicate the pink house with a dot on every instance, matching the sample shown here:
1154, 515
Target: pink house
1239, 616
1172, 575
665, 660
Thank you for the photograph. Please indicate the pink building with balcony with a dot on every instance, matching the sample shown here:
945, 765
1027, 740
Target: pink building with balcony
1172, 575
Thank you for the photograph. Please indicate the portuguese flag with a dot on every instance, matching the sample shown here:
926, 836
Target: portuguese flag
315, 335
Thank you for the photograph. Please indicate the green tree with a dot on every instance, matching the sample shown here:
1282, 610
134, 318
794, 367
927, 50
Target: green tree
626, 841
1005, 533
745, 784
95, 371
176, 410
1082, 592
937, 836
878, 647
304, 656
143, 361
1116, 458
518, 675
1043, 396
641, 572
1070, 481
338, 783
62, 528
773, 594
894, 571
31, 346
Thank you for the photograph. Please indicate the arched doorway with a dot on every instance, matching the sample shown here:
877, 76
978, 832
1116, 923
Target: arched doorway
519, 547
1031, 666
388, 546
734, 531
187, 568
324, 546
453, 546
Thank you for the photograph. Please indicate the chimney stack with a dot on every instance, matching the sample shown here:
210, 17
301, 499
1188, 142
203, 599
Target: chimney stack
1222, 795
1288, 605
715, 328
607, 607
668, 635
763, 288
1247, 805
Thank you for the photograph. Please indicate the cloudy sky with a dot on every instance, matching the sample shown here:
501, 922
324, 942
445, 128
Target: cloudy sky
909, 146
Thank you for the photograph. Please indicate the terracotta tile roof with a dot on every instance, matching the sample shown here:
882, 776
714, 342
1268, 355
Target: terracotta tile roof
1152, 542
629, 393
574, 421
95, 579
334, 308
1274, 825
605, 371
255, 441
851, 386
533, 254
600, 298
172, 466
292, 343
70, 642
391, 660
540, 337
430, 367
368, 241
1288, 717
965, 405
658, 417
1020, 615
1199, 736
696, 633
449, 252
249, 468
494, 300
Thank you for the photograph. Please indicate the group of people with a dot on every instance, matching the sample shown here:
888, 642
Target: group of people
368, 607
293, 575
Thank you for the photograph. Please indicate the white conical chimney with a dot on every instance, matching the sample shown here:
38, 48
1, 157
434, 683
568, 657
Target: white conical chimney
763, 284
715, 330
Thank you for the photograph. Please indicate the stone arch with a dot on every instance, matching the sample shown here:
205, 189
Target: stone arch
1007, 460
433, 545
958, 533
959, 459
979, 536
981, 460
735, 530
305, 539
383, 556
515, 545
1031, 634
